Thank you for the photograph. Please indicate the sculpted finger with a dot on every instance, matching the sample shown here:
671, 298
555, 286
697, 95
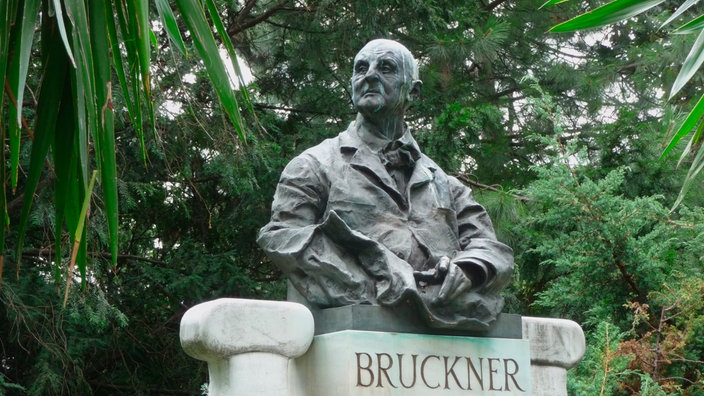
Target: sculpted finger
463, 286
456, 283
443, 265
449, 284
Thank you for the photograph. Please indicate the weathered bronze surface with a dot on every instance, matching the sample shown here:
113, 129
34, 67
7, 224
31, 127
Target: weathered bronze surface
366, 218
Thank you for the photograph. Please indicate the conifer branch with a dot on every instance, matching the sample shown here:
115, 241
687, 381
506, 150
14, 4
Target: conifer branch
472, 183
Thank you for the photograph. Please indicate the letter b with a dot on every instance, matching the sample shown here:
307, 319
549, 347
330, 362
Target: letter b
367, 368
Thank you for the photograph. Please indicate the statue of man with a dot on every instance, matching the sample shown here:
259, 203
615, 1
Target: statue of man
366, 218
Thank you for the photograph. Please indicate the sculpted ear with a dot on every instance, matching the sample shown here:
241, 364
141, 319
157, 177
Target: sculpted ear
414, 93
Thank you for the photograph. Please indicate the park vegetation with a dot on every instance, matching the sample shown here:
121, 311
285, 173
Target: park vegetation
560, 135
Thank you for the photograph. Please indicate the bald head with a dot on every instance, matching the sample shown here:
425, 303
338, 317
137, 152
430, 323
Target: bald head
379, 46
384, 81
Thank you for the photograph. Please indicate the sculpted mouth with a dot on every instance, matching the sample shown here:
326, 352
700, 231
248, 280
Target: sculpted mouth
371, 88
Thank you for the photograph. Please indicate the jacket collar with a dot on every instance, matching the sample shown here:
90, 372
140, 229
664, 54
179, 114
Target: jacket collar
366, 147
354, 138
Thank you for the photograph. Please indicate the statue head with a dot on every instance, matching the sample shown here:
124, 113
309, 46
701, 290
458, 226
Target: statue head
384, 79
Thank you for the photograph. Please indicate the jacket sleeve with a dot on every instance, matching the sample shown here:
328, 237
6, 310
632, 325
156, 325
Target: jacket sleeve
329, 264
487, 262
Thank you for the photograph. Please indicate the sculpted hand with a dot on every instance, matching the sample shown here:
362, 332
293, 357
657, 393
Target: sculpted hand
455, 284
434, 276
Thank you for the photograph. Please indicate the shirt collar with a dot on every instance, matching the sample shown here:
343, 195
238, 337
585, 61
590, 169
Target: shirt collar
377, 143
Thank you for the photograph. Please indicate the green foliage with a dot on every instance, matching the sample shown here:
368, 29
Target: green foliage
80, 42
5, 386
612, 12
601, 369
570, 179
619, 10
182, 241
463, 125
619, 263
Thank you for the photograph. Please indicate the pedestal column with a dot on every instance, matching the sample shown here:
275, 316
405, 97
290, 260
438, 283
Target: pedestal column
556, 345
251, 348
248, 344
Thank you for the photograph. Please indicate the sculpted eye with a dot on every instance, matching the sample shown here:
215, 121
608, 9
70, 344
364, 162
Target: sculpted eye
361, 68
387, 67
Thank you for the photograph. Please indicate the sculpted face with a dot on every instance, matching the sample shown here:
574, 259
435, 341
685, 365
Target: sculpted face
384, 78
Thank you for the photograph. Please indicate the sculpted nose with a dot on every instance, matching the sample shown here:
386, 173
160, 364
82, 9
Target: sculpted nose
371, 75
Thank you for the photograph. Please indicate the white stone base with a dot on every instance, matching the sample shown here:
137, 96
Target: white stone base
368, 363
556, 345
248, 344
264, 348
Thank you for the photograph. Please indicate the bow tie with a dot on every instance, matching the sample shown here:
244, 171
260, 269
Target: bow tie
399, 155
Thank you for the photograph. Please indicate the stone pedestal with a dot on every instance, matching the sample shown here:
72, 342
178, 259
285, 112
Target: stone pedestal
264, 348
370, 363
248, 344
556, 345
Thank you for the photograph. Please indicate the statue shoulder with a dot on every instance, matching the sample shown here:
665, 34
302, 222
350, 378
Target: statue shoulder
442, 178
438, 172
322, 153
430, 164
315, 162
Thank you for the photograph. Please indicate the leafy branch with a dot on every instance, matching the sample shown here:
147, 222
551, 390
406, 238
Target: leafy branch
82, 44
619, 10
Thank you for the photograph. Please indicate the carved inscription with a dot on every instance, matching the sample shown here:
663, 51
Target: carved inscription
437, 372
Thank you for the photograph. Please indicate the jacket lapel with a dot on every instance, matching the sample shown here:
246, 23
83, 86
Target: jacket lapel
369, 164
422, 174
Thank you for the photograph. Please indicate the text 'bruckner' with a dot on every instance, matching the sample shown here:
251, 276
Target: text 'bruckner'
438, 372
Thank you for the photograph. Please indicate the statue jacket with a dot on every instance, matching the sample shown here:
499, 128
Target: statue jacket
344, 233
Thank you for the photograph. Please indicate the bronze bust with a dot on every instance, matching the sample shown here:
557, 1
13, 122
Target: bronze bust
366, 218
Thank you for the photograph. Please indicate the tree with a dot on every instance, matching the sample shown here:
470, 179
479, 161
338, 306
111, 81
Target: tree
79, 43
59, 90
620, 264
189, 217
619, 10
